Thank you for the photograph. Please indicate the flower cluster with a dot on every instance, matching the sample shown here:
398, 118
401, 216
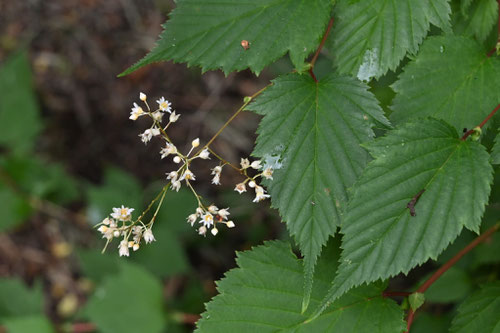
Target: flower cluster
119, 224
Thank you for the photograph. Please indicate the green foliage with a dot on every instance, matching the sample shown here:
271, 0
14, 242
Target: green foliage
130, 301
416, 300
295, 137
19, 115
17, 300
263, 295
119, 188
38, 324
495, 154
215, 40
381, 237
476, 18
479, 313
454, 285
372, 37
451, 78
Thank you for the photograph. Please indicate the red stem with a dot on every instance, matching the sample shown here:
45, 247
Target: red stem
481, 238
320, 47
492, 113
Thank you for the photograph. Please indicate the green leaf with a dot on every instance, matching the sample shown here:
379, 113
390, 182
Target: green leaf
495, 153
381, 237
479, 313
427, 323
18, 300
96, 265
416, 300
453, 79
15, 208
371, 37
130, 301
271, 28
19, 115
263, 295
476, 18
31, 324
119, 188
311, 134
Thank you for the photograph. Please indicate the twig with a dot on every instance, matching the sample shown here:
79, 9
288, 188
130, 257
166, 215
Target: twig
481, 238
413, 202
492, 113
318, 50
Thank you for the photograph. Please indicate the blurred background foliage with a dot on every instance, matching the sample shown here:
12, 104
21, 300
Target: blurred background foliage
69, 153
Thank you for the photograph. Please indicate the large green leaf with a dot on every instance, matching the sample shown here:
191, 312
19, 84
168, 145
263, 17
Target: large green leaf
130, 301
314, 131
479, 313
19, 115
263, 295
371, 37
17, 300
476, 18
381, 237
453, 79
208, 33
29, 324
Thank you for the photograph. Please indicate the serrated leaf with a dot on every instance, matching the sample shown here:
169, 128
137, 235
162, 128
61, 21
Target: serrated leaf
416, 300
476, 18
271, 29
263, 295
19, 114
311, 134
453, 79
495, 153
130, 301
381, 237
479, 313
371, 37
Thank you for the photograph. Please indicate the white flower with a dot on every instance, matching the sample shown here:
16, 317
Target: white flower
122, 214
155, 131
205, 154
213, 209
202, 230
136, 112
216, 171
158, 116
169, 149
164, 105
214, 231
108, 234
260, 194
245, 163
176, 185
268, 173
256, 165
146, 136
195, 143
224, 213
187, 175
251, 184
173, 176
240, 188
107, 221
136, 246
142, 97
192, 219
199, 211
123, 248
207, 219
102, 229
148, 236
130, 244
177, 159
116, 233
230, 224
173, 117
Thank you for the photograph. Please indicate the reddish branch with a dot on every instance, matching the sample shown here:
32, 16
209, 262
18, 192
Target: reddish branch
320, 47
469, 132
448, 265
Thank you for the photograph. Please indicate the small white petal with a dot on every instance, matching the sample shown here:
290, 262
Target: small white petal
142, 96
195, 143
